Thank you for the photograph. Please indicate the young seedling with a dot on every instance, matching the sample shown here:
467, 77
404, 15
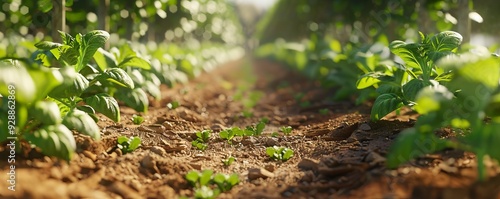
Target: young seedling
210, 185
287, 130
173, 105
202, 138
137, 119
279, 153
275, 134
324, 111
127, 145
229, 161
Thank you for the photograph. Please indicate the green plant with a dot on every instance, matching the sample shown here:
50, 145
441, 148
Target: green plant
137, 119
279, 153
323, 111
173, 105
463, 103
287, 130
228, 161
398, 86
230, 133
210, 185
127, 145
202, 138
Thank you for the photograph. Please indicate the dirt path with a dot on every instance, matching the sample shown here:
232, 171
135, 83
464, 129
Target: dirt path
338, 152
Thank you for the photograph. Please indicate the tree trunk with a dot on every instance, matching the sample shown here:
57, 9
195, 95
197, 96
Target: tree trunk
463, 26
58, 19
103, 18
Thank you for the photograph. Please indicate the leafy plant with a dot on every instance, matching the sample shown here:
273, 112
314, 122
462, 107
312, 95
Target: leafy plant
462, 104
210, 185
279, 153
398, 86
202, 138
137, 119
127, 145
287, 130
173, 105
230, 133
229, 161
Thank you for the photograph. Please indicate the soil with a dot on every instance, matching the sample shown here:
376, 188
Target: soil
338, 152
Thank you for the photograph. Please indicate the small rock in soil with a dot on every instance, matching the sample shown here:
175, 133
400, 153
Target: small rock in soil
364, 127
158, 150
270, 141
149, 163
308, 164
256, 173
270, 167
90, 155
123, 190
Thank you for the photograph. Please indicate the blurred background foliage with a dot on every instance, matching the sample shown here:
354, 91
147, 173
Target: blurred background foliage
136, 20
370, 21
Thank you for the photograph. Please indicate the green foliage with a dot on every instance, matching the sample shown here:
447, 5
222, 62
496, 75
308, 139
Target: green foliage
279, 153
202, 138
229, 161
137, 119
287, 130
127, 145
463, 104
230, 133
173, 105
400, 85
209, 185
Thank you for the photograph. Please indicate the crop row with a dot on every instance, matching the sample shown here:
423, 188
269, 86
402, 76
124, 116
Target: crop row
59, 87
449, 86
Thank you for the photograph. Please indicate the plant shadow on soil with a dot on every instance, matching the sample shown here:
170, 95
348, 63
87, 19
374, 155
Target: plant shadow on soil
339, 153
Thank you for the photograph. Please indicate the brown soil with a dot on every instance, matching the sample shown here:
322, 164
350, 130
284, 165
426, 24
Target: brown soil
338, 153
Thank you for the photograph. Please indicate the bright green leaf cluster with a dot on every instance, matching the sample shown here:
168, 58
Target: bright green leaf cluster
202, 138
127, 145
279, 153
209, 185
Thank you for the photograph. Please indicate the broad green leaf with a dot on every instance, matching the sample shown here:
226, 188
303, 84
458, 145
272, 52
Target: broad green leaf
192, 177
53, 140
134, 143
409, 53
152, 89
17, 80
493, 109
89, 43
116, 75
368, 80
205, 177
46, 112
105, 59
390, 87
45, 5
122, 140
134, 61
411, 89
81, 122
288, 153
430, 98
134, 98
411, 144
90, 112
80, 83
128, 57
385, 104
444, 43
47, 45
105, 104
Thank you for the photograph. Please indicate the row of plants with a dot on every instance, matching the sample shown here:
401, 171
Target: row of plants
59, 87
449, 86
